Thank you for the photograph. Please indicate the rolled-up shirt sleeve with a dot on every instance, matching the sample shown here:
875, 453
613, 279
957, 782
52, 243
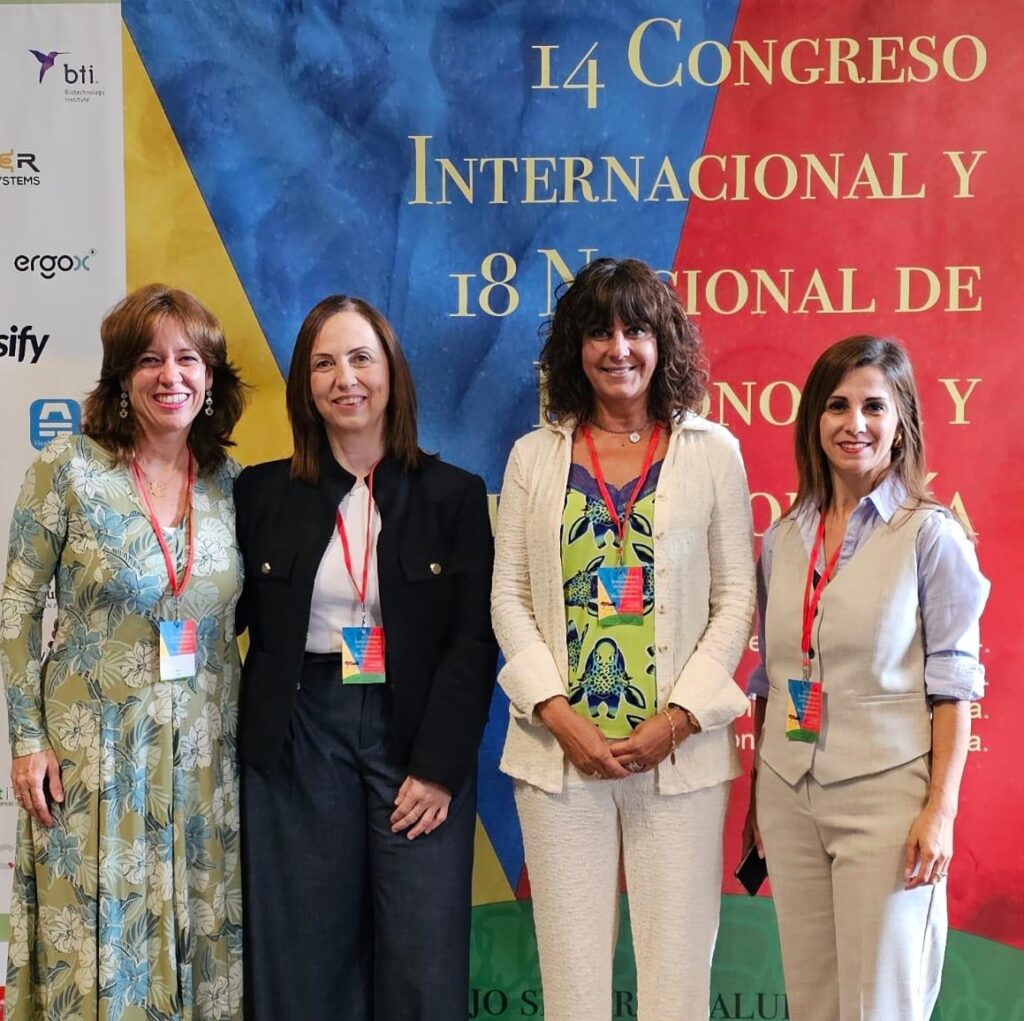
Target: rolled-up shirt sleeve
952, 593
757, 682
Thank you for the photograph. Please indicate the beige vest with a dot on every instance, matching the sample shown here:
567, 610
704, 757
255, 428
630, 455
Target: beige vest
869, 657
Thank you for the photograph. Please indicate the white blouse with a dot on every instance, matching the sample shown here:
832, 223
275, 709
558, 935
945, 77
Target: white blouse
335, 604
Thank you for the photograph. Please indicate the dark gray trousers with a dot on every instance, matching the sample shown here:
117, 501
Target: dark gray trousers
343, 918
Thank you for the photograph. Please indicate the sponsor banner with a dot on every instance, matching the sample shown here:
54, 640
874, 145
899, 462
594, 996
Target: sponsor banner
62, 245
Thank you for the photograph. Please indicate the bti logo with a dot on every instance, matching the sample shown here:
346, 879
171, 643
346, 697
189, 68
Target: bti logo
84, 75
51, 417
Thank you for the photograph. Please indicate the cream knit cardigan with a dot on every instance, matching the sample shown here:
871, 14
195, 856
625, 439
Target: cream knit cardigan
704, 598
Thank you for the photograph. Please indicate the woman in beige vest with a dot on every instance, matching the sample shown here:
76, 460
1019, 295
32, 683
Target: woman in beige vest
869, 595
622, 596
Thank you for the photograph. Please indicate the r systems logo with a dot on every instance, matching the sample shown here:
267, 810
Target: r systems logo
51, 417
21, 343
80, 83
18, 169
48, 266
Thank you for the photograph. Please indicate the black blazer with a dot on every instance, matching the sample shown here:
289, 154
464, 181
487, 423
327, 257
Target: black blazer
434, 559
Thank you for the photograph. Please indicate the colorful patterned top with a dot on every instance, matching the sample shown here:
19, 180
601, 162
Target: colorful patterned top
612, 678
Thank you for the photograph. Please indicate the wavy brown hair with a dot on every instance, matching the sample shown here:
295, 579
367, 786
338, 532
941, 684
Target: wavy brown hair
632, 292
126, 333
907, 456
308, 432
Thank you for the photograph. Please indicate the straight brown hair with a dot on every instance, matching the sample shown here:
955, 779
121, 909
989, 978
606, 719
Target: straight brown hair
126, 333
308, 431
907, 464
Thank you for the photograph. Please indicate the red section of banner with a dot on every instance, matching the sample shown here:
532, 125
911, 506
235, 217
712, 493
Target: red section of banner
857, 243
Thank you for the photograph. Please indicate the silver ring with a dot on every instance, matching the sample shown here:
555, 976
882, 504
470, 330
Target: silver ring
635, 767
595, 775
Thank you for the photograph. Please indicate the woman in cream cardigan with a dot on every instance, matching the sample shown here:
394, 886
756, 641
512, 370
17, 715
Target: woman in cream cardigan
622, 599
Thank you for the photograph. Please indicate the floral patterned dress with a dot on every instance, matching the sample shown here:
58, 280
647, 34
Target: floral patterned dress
130, 906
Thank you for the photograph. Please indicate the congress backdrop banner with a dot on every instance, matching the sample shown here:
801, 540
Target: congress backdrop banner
801, 172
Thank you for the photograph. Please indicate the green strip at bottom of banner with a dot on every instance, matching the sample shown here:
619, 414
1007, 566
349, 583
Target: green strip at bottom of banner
982, 979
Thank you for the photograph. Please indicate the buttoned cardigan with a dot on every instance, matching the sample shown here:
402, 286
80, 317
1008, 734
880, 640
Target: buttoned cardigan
704, 598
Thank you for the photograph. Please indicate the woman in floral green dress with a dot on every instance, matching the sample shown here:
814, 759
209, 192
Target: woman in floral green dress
126, 895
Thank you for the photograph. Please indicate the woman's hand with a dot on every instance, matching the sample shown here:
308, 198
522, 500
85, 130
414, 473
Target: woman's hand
583, 744
751, 831
29, 776
929, 847
420, 804
652, 741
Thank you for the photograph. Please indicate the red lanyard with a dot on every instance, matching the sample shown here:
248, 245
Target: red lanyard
811, 599
177, 587
360, 589
622, 524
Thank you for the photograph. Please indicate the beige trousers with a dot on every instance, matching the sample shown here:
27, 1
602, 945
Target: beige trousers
856, 946
672, 850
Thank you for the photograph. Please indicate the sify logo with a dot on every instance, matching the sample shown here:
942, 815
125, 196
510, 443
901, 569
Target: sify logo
48, 266
21, 343
51, 417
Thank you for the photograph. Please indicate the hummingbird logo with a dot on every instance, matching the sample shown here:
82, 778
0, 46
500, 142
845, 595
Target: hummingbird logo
46, 60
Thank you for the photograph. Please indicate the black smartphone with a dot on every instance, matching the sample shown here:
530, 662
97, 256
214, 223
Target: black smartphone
752, 871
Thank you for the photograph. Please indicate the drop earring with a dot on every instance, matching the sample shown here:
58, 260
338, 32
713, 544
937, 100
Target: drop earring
209, 403
123, 410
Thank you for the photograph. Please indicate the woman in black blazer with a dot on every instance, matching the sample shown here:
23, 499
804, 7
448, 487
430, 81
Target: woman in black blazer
365, 692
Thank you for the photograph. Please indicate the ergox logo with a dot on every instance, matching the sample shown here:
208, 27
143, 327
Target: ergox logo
51, 417
21, 343
48, 266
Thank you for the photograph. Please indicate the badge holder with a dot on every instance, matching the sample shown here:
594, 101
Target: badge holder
362, 655
619, 594
177, 649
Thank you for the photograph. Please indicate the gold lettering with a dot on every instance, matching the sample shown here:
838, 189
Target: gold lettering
906, 275
533, 178
949, 57
836, 57
725, 62
711, 291
633, 52
632, 184
696, 188
817, 168
956, 285
880, 59
498, 174
761, 170
465, 186
555, 263
764, 67
964, 173
419, 151
765, 402
666, 179
959, 399
786, 62
926, 59
581, 178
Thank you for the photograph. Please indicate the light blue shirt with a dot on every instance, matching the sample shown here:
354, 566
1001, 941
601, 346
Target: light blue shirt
951, 590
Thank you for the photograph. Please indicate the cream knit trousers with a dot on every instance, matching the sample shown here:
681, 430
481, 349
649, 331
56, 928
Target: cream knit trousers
672, 849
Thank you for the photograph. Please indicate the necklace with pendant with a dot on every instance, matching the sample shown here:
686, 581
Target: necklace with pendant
633, 435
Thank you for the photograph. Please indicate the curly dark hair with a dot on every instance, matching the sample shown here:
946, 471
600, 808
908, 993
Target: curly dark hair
126, 332
631, 291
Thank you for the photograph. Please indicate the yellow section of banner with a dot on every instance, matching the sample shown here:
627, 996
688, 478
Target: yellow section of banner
172, 238
489, 883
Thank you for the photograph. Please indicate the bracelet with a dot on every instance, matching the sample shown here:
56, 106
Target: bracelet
672, 734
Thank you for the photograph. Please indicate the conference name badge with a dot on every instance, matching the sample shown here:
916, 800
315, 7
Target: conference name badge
362, 655
803, 715
619, 593
177, 649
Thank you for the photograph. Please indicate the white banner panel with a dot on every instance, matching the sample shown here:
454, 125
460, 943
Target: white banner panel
62, 244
